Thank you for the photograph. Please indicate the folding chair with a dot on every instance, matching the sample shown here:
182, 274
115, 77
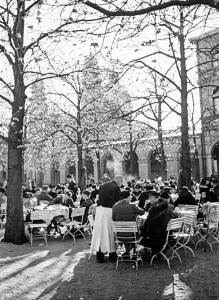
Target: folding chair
187, 232
193, 208
76, 224
36, 217
174, 227
209, 231
90, 224
120, 228
3, 214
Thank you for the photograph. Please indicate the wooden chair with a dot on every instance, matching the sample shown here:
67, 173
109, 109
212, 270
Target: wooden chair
90, 224
121, 229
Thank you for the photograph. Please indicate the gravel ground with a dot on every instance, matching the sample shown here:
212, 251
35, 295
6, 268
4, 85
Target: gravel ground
61, 270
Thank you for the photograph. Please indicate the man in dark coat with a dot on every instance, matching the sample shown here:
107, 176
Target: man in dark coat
185, 197
154, 228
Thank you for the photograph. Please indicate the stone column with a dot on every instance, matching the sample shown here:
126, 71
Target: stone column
200, 166
76, 172
209, 164
95, 171
62, 174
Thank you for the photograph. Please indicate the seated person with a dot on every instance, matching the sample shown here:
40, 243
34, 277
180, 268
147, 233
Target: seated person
144, 196
167, 188
185, 197
44, 195
171, 207
86, 203
133, 197
154, 228
125, 211
137, 190
52, 192
214, 191
65, 200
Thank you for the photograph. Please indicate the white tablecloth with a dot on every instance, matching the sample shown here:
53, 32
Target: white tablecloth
50, 212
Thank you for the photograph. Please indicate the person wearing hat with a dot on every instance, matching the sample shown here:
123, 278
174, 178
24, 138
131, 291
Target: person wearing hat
144, 196
44, 195
137, 190
214, 190
154, 228
185, 197
125, 211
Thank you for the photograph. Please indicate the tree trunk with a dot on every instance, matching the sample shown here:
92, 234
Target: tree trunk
185, 155
80, 159
14, 230
161, 151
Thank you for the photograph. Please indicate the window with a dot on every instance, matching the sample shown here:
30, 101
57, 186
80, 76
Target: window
216, 105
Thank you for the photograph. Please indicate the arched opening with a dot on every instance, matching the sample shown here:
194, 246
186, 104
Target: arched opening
55, 173
131, 164
108, 165
72, 170
155, 164
215, 158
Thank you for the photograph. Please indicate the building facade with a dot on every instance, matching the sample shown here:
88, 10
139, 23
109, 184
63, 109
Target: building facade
207, 50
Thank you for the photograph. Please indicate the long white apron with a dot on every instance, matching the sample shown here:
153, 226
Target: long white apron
103, 235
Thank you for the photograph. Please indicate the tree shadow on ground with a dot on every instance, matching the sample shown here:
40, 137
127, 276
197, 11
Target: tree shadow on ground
61, 271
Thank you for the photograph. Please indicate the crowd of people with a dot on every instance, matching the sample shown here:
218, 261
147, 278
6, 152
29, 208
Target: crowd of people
120, 200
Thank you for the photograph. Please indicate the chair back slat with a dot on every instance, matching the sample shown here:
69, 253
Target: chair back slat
77, 212
38, 215
189, 218
192, 207
175, 224
125, 226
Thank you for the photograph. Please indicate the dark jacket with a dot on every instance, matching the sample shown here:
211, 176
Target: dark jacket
60, 200
185, 198
109, 194
72, 186
43, 196
142, 199
124, 211
156, 223
86, 203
